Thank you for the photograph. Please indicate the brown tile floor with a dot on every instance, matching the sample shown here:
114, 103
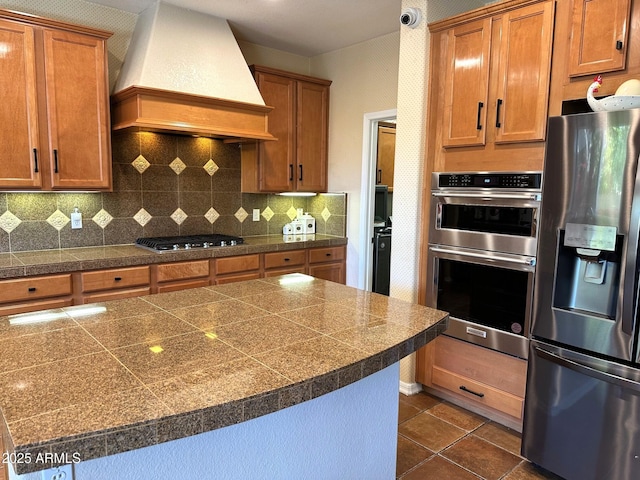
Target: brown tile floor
438, 440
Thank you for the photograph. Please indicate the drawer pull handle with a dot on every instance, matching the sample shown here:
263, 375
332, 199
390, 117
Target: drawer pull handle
328, 254
32, 289
619, 45
117, 279
465, 389
55, 160
286, 259
35, 160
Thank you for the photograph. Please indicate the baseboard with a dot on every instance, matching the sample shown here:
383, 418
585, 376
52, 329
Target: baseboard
410, 388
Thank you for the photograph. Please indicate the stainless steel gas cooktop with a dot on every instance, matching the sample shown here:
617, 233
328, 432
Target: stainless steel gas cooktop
186, 242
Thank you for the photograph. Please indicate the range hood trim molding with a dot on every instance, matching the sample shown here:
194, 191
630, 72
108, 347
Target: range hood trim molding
153, 109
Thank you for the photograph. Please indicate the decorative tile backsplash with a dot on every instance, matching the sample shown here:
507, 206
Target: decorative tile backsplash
162, 185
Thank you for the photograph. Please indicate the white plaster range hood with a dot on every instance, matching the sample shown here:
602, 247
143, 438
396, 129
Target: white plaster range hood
184, 73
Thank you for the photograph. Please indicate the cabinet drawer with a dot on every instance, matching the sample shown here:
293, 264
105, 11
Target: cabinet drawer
483, 394
114, 278
284, 259
116, 294
25, 289
330, 254
183, 270
241, 263
284, 271
485, 366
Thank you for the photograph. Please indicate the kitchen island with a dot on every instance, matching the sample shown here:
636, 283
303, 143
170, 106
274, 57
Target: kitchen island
283, 377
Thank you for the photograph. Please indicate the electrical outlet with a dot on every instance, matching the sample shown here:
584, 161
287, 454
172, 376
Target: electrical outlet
256, 214
63, 472
76, 219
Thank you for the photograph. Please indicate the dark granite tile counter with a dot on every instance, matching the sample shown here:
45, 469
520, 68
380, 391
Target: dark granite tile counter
96, 380
43, 262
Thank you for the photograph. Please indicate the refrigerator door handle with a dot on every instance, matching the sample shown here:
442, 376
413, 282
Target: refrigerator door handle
587, 370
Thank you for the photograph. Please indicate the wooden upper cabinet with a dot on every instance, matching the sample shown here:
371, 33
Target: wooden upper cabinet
599, 32
385, 160
54, 115
497, 78
77, 110
297, 160
466, 84
524, 72
20, 145
276, 159
312, 132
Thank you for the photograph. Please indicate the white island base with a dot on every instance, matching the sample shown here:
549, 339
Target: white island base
350, 433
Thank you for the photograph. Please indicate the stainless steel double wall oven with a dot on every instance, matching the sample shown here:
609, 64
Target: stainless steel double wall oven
482, 255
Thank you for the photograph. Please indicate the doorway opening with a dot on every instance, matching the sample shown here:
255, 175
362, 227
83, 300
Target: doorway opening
373, 174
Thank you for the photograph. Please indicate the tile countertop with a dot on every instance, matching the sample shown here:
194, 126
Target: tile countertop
100, 379
43, 262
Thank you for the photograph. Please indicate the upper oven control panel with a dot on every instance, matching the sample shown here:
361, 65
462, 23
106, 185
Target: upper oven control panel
528, 180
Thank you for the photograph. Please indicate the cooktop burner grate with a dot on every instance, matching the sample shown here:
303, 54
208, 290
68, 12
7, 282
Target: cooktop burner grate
186, 242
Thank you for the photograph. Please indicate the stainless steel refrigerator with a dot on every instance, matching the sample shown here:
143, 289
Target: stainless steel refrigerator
582, 405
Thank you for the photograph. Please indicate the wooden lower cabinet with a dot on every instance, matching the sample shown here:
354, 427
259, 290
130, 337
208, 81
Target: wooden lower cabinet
28, 294
328, 263
35, 293
237, 269
115, 283
282, 263
181, 275
477, 378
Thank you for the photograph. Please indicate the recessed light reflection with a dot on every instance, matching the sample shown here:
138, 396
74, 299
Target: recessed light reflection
85, 311
156, 349
211, 335
294, 278
36, 317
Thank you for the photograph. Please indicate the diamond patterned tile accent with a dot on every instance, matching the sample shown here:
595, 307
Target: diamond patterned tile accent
241, 215
292, 213
8, 221
268, 214
102, 218
211, 167
142, 217
211, 215
58, 220
140, 164
177, 166
179, 216
325, 214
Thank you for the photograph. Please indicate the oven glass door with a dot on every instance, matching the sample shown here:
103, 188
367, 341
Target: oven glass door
506, 223
488, 296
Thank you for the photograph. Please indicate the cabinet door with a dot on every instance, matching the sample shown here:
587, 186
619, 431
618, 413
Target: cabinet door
312, 127
466, 84
276, 163
599, 32
78, 119
524, 74
386, 156
19, 146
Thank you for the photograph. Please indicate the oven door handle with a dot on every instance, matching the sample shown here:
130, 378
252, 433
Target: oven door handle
528, 261
489, 196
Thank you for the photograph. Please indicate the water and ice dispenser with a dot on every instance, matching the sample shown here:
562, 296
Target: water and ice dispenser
587, 278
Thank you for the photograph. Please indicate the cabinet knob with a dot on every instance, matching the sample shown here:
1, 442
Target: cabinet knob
619, 45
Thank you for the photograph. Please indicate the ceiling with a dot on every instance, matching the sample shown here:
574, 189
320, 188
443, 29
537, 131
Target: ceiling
303, 27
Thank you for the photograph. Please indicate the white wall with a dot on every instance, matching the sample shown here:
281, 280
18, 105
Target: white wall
365, 79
